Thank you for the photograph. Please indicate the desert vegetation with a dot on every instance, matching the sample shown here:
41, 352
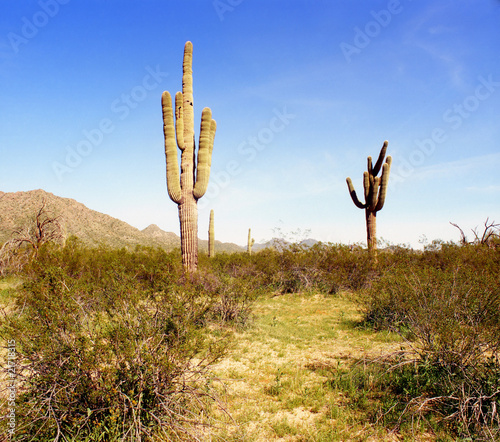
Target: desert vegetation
308, 343
27, 238
115, 345
290, 343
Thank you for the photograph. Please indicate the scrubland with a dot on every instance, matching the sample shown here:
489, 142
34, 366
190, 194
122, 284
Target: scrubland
301, 344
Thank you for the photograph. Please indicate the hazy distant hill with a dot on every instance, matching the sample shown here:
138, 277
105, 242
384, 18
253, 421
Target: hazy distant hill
159, 236
278, 243
92, 227
220, 246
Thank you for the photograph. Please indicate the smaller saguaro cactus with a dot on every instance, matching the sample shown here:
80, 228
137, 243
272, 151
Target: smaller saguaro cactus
251, 242
375, 189
211, 236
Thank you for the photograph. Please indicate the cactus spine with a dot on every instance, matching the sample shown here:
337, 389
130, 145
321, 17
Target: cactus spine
375, 190
192, 184
251, 242
211, 236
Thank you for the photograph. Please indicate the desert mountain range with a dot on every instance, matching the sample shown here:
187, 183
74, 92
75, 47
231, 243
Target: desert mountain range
91, 227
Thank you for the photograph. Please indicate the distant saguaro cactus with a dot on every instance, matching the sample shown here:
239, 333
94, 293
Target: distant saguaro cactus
251, 242
211, 236
375, 190
193, 182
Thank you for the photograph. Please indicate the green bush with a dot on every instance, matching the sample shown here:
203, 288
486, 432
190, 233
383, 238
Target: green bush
294, 268
115, 345
446, 303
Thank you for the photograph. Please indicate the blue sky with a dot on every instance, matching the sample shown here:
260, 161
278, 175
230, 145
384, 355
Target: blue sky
302, 91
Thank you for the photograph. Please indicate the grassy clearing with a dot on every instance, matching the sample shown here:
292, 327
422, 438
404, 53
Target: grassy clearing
278, 375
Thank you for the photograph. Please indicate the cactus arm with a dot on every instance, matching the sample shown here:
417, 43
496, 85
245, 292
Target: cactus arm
187, 95
389, 162
213, 128
372, 201
366, 185
204, 153
179, 121
354, 197
380, 160
188, 159
173, 183
384, 180
370, 165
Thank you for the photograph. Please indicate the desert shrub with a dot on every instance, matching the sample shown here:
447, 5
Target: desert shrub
343, 267
230, 298
233, 302
241, 266
284, 271
446, 304
114, 345
464, 399
293, 268
449, 256
414, 396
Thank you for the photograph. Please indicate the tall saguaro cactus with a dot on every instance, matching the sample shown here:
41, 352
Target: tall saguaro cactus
211, 236
192, 184
251, 242
375, 190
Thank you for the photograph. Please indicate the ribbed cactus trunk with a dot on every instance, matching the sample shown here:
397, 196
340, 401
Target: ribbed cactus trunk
371, 230
192, 184
211, 236
375, 189
188, 217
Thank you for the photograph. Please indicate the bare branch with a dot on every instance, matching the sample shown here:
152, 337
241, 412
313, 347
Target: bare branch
463, 238
41, 229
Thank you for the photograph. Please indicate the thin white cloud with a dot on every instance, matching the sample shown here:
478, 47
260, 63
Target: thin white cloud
457, 167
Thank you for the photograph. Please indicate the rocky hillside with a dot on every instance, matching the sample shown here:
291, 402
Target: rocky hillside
91, 227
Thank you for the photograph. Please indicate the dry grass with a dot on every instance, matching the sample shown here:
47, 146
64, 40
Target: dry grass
277, 371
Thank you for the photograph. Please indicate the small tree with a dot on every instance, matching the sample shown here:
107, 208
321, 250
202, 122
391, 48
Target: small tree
489, 237
42, 228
